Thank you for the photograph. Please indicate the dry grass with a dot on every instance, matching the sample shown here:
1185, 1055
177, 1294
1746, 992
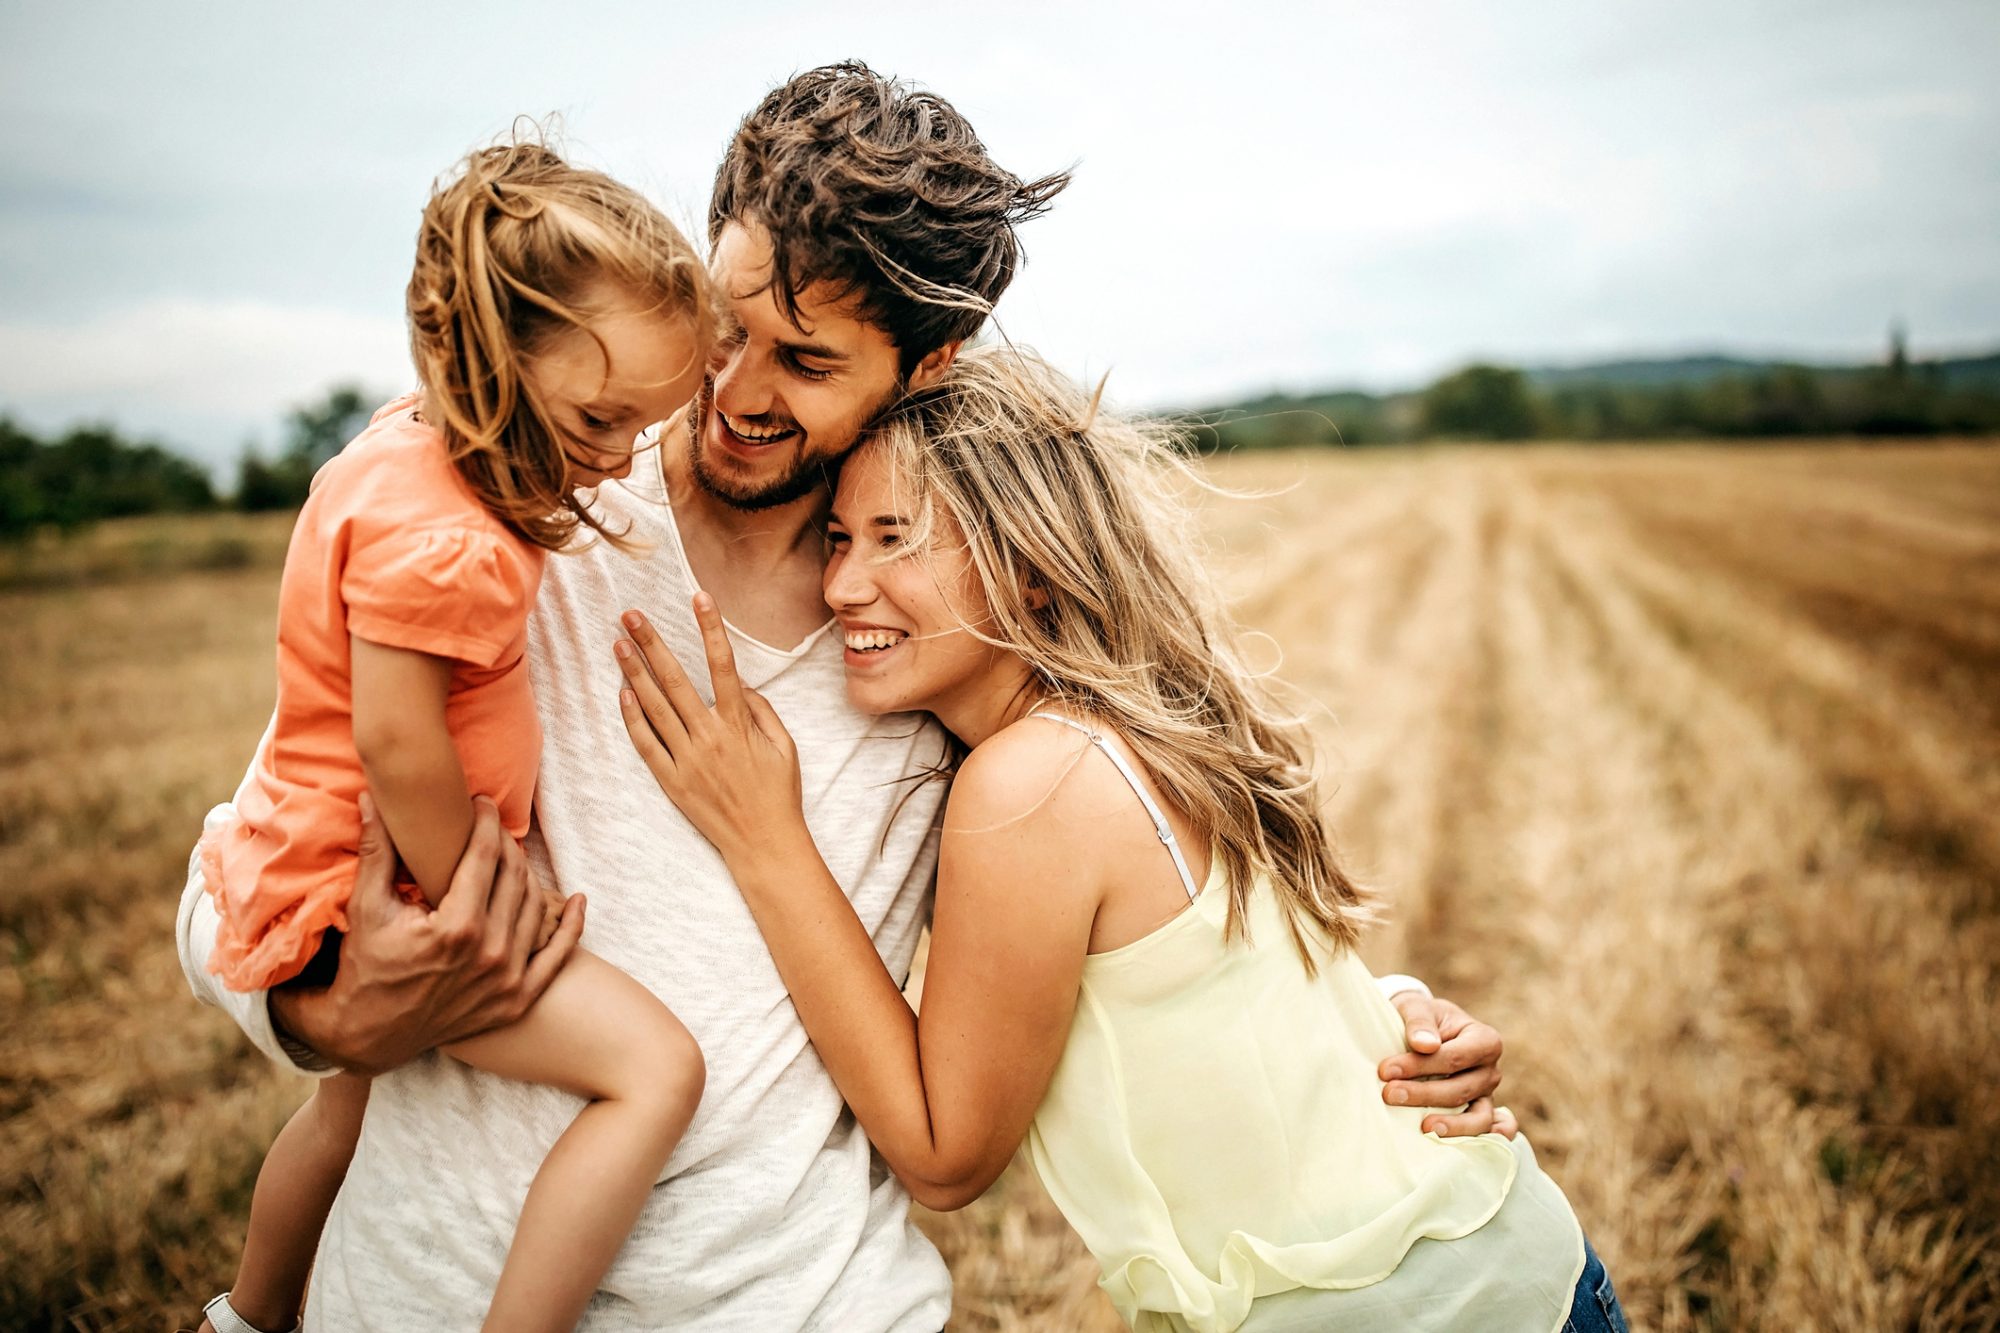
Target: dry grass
1681, 765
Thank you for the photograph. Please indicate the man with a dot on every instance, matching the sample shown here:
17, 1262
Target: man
860, 233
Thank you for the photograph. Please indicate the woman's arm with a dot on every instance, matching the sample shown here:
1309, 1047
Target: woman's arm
945, 1097
408, 755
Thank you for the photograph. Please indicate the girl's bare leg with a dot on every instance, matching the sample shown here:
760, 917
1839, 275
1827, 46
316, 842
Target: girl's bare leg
599, 1034
295, 1191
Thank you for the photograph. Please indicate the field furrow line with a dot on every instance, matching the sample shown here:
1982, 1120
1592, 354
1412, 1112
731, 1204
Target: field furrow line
1725, 776
1937, 784
1402, 667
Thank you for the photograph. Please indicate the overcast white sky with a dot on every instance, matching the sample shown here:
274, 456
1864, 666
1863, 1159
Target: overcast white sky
206, 210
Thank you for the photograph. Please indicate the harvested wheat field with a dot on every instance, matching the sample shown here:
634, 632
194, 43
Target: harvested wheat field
1681, 765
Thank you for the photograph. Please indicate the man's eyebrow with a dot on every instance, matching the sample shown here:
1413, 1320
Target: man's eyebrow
817, 351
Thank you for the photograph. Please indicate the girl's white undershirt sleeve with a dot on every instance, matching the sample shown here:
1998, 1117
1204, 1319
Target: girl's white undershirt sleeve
194, 938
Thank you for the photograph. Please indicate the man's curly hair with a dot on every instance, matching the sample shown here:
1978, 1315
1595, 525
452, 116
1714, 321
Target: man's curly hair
884, 192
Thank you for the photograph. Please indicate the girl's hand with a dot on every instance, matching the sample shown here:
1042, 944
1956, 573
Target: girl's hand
731, 768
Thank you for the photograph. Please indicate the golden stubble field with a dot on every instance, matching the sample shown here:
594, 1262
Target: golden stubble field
1682, 765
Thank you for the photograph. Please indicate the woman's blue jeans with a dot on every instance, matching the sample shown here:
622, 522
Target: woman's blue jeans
1596, 1308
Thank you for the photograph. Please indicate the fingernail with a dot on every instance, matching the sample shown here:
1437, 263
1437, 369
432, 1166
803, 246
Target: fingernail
1424, 1034
623, 648
627, 698
632, 619
1399, 1096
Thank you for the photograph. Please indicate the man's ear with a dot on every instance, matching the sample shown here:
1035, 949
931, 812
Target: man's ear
932, 368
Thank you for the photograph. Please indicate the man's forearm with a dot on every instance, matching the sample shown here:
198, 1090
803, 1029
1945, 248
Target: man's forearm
298, 1011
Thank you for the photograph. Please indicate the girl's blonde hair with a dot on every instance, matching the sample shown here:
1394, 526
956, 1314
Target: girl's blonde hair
516, 246
1076, 522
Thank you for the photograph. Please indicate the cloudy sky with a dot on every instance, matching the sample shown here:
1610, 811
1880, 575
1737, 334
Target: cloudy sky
206, 210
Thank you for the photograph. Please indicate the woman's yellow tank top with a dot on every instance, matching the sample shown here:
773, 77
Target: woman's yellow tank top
1215, 1132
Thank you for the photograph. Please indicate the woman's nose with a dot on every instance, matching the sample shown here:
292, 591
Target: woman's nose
847, 583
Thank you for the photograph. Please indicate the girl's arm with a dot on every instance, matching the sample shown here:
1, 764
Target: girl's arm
411, 764
945, 1097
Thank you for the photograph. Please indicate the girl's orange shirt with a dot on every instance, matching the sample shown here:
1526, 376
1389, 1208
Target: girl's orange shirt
391, 546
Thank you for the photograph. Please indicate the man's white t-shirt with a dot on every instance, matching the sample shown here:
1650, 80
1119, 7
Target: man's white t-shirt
773, 1213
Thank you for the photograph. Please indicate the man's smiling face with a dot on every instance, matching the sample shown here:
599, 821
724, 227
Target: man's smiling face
783, 399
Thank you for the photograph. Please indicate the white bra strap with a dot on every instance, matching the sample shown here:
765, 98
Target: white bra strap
1160, 824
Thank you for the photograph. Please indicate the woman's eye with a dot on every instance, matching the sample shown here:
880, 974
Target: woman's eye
889, 539
836, 540
595, 423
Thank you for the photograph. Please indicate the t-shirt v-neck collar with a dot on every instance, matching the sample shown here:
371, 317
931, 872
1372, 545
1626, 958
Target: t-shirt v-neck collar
672, 524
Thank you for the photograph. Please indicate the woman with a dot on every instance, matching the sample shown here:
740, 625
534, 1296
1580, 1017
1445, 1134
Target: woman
1141, 956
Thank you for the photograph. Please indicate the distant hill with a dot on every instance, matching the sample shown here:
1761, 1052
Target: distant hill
1652, 372
1693, 371
1699, 396
1969, 372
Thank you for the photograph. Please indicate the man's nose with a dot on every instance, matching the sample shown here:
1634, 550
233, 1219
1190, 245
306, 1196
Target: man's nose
739, 389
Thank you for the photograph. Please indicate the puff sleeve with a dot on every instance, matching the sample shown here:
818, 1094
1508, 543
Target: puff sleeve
451, 592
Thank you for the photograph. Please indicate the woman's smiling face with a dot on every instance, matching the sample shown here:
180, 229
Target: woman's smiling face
906, 615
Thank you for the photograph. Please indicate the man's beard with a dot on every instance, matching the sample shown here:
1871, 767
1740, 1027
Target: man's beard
806, 475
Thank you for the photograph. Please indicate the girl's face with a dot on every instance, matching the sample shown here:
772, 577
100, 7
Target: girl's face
602, 397
906, 619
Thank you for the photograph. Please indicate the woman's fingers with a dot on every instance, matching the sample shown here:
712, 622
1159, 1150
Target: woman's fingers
767, 721
639, 726
676, 690
722, 676
662, 718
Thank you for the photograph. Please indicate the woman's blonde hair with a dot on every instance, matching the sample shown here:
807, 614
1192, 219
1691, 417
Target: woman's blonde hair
516, 246
1077, 523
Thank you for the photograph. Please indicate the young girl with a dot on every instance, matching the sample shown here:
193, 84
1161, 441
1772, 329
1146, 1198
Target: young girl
1142, 950
554, 314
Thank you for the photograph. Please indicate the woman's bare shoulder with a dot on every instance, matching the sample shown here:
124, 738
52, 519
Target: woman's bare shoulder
1035, 773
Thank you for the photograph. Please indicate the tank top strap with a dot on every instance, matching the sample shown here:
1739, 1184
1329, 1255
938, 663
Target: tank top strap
1153, 812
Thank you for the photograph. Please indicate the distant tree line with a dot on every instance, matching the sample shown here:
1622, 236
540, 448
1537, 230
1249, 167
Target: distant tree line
93, 472
314, 433
1652, 400
88, 473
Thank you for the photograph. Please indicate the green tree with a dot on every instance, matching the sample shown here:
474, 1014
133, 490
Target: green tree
314, 433
90, 472
1480, 402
